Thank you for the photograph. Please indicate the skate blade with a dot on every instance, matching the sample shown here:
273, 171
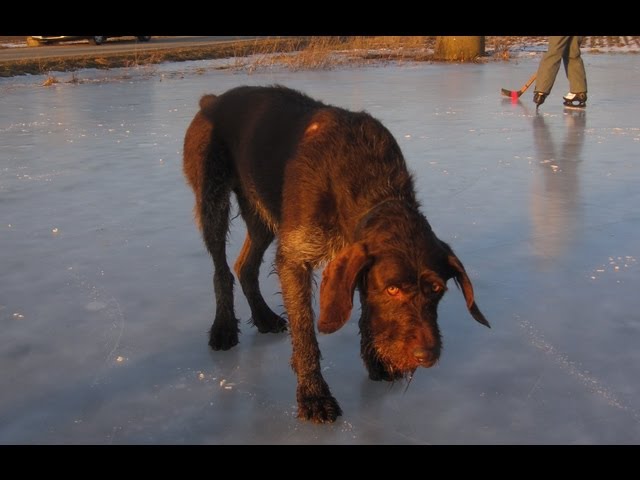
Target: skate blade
575, 112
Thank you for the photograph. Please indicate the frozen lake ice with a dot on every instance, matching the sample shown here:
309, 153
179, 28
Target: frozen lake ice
105, 284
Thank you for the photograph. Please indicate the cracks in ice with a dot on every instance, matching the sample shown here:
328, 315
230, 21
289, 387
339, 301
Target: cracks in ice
535, 386
591, 383
101, 300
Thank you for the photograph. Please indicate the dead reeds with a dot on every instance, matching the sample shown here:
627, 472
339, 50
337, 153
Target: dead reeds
326, 52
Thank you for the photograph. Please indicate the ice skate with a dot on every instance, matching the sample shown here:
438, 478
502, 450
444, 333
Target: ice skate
575, 100
539, 98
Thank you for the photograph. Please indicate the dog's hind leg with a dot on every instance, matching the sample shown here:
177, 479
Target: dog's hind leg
247, 268
216, 192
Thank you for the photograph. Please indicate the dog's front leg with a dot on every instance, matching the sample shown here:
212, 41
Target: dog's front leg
315, 401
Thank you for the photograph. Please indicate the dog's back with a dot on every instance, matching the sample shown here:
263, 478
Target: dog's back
263, 134
257, 130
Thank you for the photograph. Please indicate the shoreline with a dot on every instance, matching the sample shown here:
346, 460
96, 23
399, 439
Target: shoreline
284, 51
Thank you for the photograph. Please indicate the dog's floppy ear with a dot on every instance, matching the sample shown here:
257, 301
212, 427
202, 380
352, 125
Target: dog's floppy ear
338, 284
462, 281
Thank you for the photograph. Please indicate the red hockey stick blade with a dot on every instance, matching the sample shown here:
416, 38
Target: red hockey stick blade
511, 93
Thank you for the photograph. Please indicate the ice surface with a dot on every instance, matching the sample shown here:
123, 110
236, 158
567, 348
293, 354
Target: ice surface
105, 285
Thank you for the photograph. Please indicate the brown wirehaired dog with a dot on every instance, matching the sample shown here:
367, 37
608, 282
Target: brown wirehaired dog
333, 186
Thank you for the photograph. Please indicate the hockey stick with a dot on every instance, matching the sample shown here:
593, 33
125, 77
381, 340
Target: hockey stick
518, 93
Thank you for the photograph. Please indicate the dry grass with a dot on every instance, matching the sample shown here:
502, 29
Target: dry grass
317, 53
295, 53
238, 49
50, 80
501, 48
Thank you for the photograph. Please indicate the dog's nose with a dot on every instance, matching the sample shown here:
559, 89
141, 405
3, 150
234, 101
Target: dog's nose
424, 356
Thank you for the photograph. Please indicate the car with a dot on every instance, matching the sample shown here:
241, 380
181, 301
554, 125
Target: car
34, 41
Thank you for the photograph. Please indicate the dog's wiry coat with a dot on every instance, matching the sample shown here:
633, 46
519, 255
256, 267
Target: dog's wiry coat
334, 188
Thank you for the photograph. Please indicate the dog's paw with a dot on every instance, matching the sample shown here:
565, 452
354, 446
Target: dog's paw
316, 403
223, 338
319, 409
270, 323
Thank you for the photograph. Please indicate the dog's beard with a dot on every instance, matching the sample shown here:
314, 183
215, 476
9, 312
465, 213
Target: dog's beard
394, 369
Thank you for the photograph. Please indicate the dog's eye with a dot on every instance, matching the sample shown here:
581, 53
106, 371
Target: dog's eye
436, 287
393, 290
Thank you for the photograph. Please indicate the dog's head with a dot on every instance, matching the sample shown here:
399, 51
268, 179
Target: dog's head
401, 269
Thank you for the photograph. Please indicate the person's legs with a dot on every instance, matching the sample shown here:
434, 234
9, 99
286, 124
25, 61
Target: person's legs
574, 67
550, 64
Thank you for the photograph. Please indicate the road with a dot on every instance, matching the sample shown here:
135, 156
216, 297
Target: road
112, 46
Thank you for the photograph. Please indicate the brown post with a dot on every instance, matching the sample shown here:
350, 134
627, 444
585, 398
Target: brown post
459, 49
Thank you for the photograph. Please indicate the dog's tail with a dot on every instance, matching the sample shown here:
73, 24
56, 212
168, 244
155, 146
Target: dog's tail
195, 151
207, 101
